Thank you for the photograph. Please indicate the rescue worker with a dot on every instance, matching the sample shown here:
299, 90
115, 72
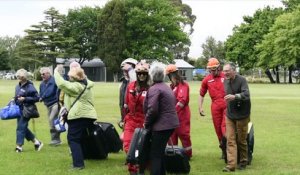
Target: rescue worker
127, 67
181, 91
213, 83
134, 102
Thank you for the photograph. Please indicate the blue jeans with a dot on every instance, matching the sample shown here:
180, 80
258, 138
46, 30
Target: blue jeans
23, 131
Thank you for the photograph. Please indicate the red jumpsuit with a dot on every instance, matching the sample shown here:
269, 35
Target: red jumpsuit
134, 117
182, 94
215, 88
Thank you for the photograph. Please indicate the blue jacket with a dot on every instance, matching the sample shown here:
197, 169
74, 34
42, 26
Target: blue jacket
49, 92
28, 91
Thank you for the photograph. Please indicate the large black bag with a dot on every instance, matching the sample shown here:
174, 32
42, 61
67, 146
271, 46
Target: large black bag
139, 148
111, 137
176, 160
93, 143
30, 111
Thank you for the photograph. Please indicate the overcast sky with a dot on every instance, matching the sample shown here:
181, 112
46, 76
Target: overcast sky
215, 18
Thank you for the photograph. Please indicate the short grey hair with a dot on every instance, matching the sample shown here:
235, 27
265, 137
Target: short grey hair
232, 65
157, 72
22, 73
45, 70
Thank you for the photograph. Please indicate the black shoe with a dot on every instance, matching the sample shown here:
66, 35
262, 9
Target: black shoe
38, 146
227, 169
242, 167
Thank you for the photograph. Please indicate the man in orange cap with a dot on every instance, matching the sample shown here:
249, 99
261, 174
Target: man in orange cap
213, 83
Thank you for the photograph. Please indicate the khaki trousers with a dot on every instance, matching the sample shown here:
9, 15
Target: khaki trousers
237, 128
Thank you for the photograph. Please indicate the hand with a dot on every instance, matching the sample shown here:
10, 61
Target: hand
40, 100
229, 97
121, 124
180, 105
21, 99
201, 112
60, 69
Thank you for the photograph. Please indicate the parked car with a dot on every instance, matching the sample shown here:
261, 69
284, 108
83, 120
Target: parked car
9, 76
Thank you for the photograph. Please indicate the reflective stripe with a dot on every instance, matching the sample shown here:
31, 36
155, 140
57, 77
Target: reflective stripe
188, 148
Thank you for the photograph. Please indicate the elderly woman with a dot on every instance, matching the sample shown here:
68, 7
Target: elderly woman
160, 117
25, 94
82, 114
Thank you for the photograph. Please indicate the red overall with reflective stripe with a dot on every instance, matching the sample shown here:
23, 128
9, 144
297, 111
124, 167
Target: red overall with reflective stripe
214, 86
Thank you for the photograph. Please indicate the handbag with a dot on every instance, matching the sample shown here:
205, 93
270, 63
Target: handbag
30, 111
10, 111
59, 123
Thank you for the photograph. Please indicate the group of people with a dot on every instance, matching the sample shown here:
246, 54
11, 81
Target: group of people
145, 102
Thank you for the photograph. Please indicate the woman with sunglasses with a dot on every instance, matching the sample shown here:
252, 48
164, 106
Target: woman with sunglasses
134, 101
213, 83
181, 91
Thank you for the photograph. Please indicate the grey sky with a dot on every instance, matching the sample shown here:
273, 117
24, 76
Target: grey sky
215, 18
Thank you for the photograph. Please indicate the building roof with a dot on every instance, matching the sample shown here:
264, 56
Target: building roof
96, 62
180, 63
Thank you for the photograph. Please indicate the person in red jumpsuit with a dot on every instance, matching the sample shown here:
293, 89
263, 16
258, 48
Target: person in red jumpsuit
181, 91
213, 83
134, 100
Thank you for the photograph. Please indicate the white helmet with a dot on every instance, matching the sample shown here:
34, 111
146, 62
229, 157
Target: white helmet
130, 61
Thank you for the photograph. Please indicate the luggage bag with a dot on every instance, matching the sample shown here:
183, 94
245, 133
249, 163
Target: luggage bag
139, 148
176, 160
112, 143
93, 143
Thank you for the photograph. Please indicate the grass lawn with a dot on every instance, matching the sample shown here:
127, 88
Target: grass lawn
275, 115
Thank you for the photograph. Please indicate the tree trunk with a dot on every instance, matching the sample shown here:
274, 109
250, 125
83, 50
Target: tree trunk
115, 77
268, 73
277, 74
290, 74
284, 75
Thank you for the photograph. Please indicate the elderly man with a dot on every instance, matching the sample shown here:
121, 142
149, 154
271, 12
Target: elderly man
48, 94
237, 97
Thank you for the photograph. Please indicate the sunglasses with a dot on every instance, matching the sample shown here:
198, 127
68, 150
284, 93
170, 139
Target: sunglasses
142, 73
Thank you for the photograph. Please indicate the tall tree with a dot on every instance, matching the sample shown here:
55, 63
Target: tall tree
281, 46
7, 49
182, 50
45, 39
213, 48
80, 29
153, 29
112, 35
240, 47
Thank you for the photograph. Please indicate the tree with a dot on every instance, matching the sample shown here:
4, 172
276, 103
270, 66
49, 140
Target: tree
80, 29
153, 29
44, 41
281, 46
212, 48
7, 51
112, 35
240, 47
182, 50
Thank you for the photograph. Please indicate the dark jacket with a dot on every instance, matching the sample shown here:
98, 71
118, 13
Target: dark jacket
28, 91
239, 108
49, 92
159, 108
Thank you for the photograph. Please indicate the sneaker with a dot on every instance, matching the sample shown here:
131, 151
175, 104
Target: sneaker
227, 169
242, 166
55, 143
39, 146
19, 149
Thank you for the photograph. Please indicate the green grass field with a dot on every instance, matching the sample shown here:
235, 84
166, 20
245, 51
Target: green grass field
275, 115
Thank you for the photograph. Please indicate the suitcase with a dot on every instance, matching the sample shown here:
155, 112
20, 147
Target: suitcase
250, 144
176, 160
139, 148
93, 143
113, 143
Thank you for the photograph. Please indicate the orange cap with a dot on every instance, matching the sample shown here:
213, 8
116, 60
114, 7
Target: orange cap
213, 63
171, 68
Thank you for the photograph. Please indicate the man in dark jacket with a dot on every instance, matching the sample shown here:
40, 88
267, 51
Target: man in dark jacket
48, 94
237, 97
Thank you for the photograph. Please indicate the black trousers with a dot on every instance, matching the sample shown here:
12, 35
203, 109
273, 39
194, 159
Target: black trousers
75, 132
158, 145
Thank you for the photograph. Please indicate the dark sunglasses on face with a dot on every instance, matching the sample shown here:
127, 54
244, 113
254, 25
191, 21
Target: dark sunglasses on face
142, 73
